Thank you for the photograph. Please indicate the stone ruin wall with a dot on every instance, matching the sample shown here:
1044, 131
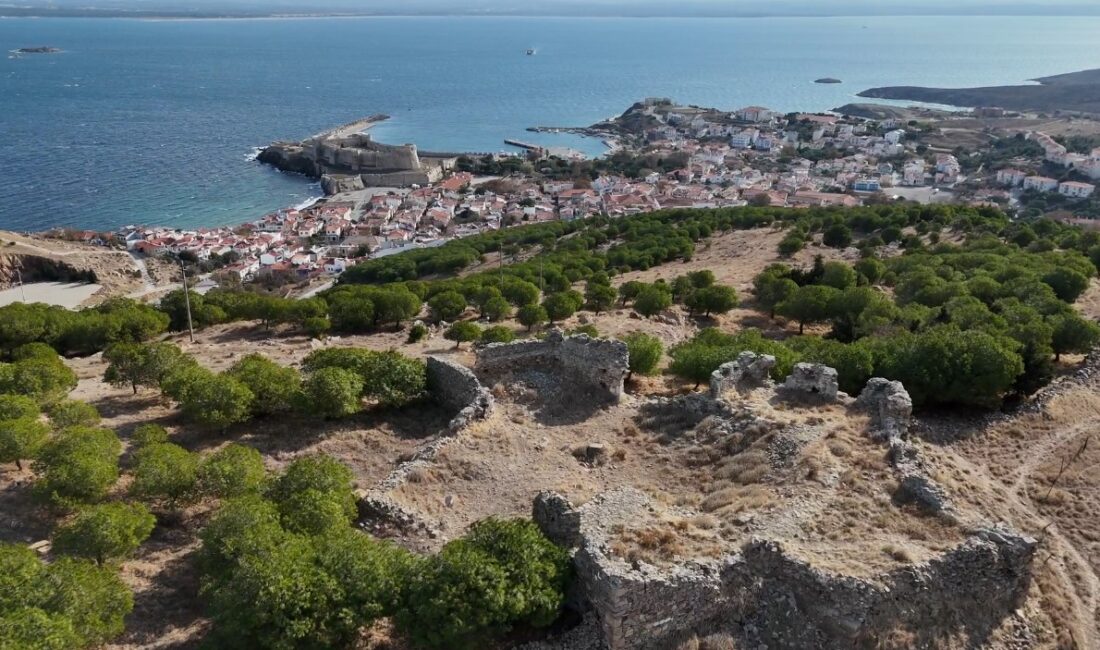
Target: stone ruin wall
456, 388
599, 363
769, 598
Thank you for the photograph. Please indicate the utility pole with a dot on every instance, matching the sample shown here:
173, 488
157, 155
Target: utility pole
187, 301
19, 275
502, 265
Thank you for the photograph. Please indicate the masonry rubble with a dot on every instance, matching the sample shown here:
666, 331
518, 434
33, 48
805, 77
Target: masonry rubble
761, 593
812, 381
748, 371
601, 364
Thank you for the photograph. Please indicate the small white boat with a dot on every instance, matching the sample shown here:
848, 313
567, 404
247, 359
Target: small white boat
531, 52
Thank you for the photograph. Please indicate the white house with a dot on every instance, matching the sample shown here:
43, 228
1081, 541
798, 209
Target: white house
1040, 183
755, 114
744, 139
1076, 190
1011, 177
894, 137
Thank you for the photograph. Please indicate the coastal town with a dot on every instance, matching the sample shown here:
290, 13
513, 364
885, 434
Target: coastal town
664, 156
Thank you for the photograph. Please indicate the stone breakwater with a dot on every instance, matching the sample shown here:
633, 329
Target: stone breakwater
600, 364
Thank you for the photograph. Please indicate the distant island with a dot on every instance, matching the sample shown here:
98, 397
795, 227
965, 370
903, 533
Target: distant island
827, 80
1074, 92
37, 50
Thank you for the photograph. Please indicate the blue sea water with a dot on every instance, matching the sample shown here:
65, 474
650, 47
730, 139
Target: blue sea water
153, 121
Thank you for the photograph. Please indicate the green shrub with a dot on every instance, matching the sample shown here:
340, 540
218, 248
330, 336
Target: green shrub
332, 393
498, 334
17, 407
232, 471
72, 413
148, 434
317, 327
274, 388
391, 378
532, 316
22, 439
645, 353
215, 401
165, 472
462, 332
313, 495
503, 573
78, 466
110, 531
417, 333
652, 300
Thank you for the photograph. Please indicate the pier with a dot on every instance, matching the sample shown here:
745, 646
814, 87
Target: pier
525, 145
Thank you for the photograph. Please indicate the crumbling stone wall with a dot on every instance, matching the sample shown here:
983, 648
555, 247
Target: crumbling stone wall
748, 371
966, 591
891, 411
811, 382
766, 597
889, 405
456, 387
601, 364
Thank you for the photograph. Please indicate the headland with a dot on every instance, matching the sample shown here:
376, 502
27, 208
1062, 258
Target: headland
1075, 92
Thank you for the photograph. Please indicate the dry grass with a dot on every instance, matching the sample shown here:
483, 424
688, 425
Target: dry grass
712, 642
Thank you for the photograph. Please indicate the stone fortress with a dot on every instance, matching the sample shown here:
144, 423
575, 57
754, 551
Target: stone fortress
347, 159
767, 581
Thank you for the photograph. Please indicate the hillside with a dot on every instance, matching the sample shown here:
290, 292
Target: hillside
850, 416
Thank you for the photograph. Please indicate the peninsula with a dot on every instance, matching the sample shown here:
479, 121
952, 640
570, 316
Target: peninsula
1077, 92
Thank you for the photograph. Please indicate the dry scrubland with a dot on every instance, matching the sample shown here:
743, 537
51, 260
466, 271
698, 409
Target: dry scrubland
829, 499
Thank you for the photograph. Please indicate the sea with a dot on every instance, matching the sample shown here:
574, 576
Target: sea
157, 122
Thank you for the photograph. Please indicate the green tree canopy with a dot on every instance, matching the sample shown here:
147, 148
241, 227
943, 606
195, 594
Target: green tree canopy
108, 531
645, 353
332, 393
232, 471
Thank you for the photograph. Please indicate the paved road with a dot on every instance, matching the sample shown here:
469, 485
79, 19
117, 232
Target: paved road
62, 294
